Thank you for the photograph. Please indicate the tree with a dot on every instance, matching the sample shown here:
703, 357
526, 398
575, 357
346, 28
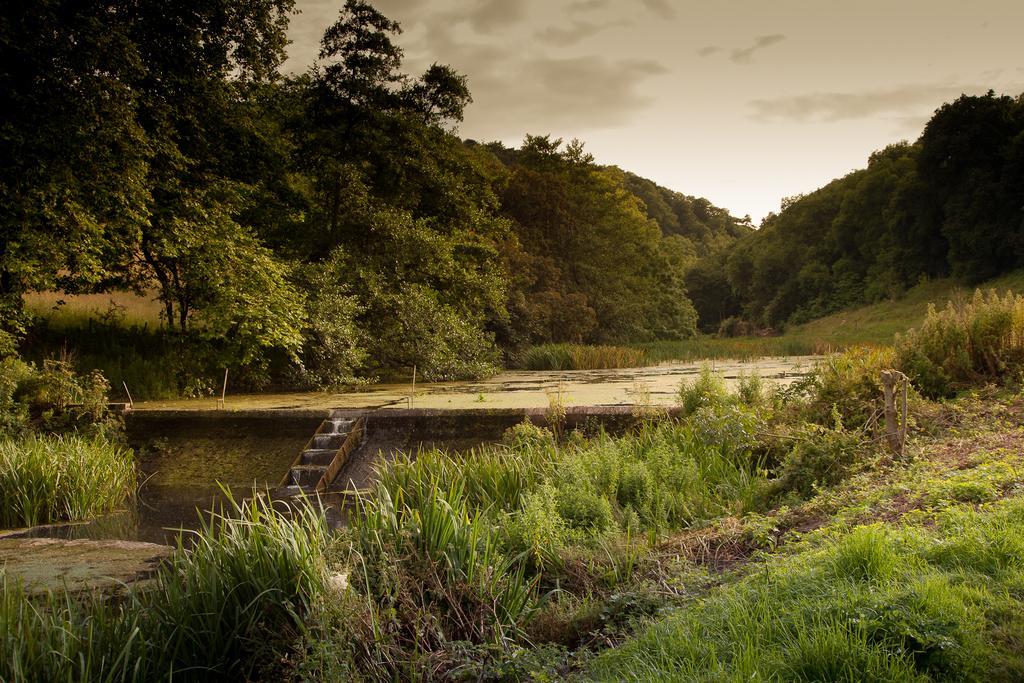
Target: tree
72, 187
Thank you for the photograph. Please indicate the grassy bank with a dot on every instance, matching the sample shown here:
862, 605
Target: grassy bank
874, 325
228, 606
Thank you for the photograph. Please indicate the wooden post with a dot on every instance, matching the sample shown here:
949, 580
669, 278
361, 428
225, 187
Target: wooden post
223, 391
895, 428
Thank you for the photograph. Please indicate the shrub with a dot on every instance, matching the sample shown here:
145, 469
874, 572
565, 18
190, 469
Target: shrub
821, 456
751, 390
584, 510
849, 383
963, 344
46, 479
14, 418
707, 390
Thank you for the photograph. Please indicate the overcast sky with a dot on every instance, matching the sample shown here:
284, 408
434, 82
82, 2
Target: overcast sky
740, 101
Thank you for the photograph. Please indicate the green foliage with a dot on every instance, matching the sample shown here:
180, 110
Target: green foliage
849, 384
47, 479
965, 343
334, 348
943, 205
14, 416
235, 592
619, 280
820, 457
707, 390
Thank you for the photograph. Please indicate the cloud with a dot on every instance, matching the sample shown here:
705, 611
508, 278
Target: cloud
586, 6
746, 55
904, 103
550, 95
662, 8
490, 15
576, 32
743, 55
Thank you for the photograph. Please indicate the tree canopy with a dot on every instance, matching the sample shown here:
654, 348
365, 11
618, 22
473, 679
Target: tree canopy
319, 227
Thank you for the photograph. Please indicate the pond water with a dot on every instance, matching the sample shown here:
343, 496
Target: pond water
514, 389
184, 460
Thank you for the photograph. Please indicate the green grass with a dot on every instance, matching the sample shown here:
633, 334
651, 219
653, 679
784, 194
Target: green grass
46, 479
873, 604
229, 605
879, 323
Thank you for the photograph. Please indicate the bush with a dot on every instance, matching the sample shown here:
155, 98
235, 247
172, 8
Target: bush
14, 418
821, 456
848, 383
46, 479
707, 390
963, 344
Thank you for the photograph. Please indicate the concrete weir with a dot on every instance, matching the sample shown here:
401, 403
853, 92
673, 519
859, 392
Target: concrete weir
386, 432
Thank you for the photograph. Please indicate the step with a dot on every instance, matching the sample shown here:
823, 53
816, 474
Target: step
306, 475
336, 425
328, 441
319, 456
292, 490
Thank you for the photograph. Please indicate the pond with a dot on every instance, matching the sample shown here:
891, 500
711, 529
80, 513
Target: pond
190, 449
514, 389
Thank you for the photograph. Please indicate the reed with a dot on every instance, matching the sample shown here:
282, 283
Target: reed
47, 479
230, 603
582, 357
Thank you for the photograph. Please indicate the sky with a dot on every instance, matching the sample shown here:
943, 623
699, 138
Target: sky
743, 102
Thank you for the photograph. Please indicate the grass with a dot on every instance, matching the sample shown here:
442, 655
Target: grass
63, 311
871, 604
873, 325
228, 606
465, 549
46, 479
581, 357
879, 323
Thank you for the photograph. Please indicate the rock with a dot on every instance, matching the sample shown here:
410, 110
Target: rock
55, 564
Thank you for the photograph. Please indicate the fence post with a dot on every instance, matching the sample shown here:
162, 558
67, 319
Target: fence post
895, 432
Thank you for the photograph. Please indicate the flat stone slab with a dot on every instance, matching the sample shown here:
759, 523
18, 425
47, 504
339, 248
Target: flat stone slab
43, 564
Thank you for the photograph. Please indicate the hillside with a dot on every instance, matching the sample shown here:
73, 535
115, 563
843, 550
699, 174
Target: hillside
946, 205
878, 323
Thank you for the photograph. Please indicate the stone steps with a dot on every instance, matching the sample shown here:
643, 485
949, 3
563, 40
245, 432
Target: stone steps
312, 464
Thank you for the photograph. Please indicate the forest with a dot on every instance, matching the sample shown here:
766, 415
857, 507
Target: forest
307, 230
949, 204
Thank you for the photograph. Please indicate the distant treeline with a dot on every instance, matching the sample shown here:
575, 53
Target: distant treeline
320, 227
950, 204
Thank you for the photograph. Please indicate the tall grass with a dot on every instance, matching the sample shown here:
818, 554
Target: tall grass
581, 357
235, 594
229, 605
732, 348
46, 479
964, 343
872, 605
